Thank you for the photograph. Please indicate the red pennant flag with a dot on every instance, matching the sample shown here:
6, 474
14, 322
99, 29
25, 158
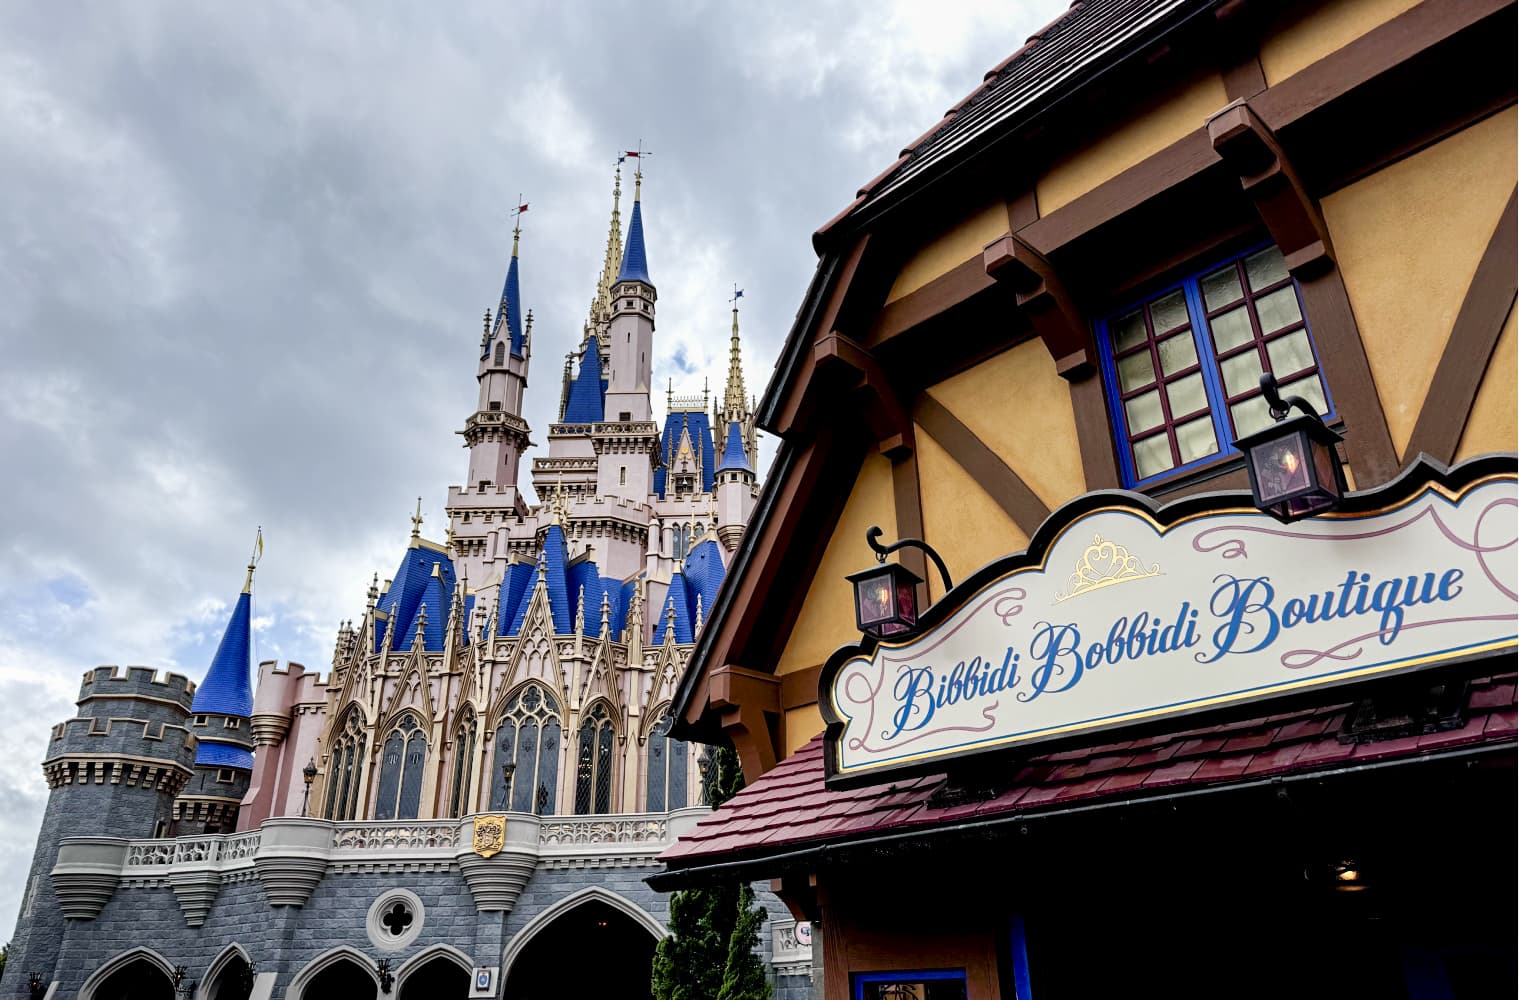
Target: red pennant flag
631, 153
521, 209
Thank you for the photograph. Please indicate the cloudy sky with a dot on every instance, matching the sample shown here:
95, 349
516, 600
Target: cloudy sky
245, 250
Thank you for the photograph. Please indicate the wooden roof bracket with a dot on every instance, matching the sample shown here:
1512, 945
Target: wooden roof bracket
743, 699
1247, 146
857, 370
1044, 301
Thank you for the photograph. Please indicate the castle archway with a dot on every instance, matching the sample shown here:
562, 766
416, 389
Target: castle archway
440, 973
608, 941
140, 974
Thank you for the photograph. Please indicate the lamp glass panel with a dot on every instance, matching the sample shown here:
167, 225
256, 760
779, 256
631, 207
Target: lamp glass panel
873, 597
1283, 467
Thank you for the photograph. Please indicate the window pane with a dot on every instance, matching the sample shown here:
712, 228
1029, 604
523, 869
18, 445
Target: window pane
1278, 309
1232, 329
1135, 371
1265, 268
1221, 288
1128, 331
1187, 395
1168, 312
1195, 439
1241, 372
1291, 353
1311, 389
1152, 455
1250, 415
1177, 352
1144, 411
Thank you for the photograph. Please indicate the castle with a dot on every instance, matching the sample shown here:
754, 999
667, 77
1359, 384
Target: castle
476, 789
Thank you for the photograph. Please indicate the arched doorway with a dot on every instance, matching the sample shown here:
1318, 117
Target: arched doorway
611, 954
440, 978
139, 979
343, 978
232, 981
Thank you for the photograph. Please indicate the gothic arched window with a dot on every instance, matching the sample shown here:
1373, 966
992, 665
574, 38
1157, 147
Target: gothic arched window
464, 763
527, 738
668, 771
593, 773
500, 352
345, 768
682, 540
401, 766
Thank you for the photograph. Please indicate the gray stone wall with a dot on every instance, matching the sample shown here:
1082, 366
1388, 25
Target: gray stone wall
284, 940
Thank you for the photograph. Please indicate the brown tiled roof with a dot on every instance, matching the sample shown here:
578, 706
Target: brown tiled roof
789, 808
1089, 37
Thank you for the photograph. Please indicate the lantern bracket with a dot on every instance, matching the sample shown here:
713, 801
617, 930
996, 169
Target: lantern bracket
1280, 405
882, 551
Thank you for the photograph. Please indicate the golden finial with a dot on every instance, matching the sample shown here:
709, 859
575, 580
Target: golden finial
258, 553
416, 521
517, 223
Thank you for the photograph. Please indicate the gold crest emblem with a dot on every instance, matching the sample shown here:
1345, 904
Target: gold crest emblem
490, 835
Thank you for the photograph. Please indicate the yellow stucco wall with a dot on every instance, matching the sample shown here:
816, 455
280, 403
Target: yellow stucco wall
802, 724
1294, 45
951, 248
826, 620
1493, 425
1021, 408
1408, 239
962, 522
1152, 127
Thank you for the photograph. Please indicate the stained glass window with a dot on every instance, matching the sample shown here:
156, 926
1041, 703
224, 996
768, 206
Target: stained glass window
399, 793
345, 765
668, 770
527, 739
464, 764
595, 762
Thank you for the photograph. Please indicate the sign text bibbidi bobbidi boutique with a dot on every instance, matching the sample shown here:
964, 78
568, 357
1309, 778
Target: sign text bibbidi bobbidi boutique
1122, 614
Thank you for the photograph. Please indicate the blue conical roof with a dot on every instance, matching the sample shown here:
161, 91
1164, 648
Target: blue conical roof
734, 458
587, 402
635, 264
228, 689
511, 304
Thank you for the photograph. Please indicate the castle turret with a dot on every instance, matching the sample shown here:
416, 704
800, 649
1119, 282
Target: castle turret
221, 720
631, 351
735, 489
495, 434
112, 771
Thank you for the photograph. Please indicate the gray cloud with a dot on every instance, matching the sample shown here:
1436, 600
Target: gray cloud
244, 253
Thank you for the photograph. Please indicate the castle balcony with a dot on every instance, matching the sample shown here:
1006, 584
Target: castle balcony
291, 855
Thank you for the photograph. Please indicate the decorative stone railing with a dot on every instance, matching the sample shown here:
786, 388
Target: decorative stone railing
291, 856
439, 833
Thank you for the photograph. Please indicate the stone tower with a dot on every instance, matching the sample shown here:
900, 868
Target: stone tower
113, 772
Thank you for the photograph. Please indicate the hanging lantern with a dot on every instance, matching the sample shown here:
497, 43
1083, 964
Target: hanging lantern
885, 599
1294, 470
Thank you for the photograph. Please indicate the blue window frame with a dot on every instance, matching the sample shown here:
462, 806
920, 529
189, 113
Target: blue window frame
1182, 366
916, 984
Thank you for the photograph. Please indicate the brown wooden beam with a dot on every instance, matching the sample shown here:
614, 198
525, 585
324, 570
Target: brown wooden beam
799, 688
1094, 434
908, 504
1453, 389
857, 372
983, 464
1342, 359
744, 699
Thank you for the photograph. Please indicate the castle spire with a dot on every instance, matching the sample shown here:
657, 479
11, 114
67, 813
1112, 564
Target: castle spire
509, 312
635, 263
733, 393
601, 308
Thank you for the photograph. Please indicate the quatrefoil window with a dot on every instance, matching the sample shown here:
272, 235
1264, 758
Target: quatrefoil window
397, 919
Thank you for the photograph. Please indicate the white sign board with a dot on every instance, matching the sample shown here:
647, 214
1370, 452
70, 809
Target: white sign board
1120, 615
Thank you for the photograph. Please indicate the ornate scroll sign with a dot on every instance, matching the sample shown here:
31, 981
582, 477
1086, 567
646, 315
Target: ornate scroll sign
490, 835
1123, 614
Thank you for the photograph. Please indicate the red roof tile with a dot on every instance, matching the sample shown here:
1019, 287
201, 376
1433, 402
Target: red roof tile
790, 806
